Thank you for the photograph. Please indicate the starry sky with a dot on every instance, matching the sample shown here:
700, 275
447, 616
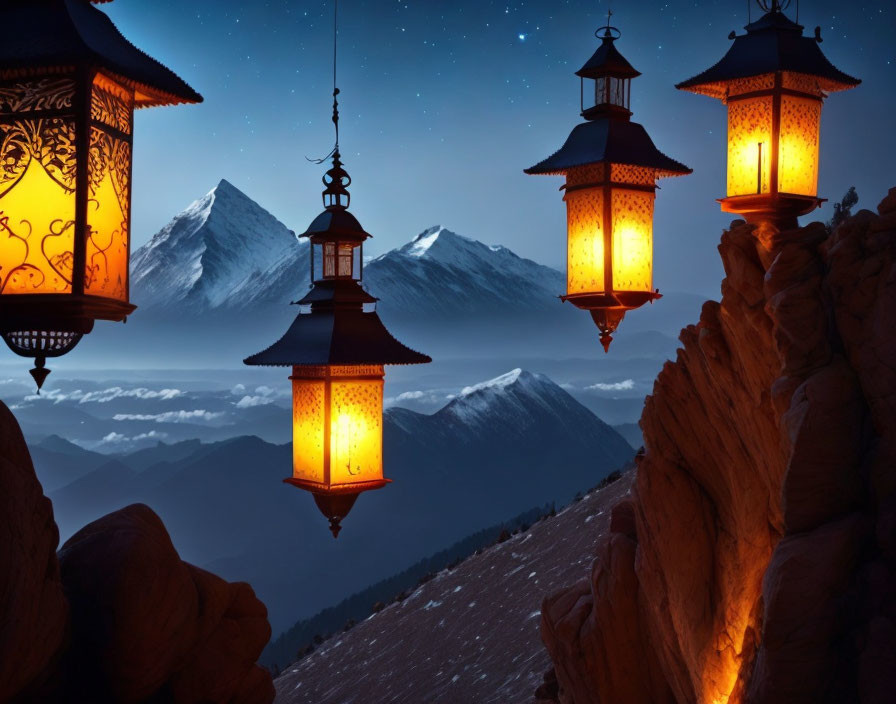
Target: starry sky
445, 102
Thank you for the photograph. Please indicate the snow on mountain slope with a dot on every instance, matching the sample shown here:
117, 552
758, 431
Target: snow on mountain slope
471, 634
455, 274
224, 250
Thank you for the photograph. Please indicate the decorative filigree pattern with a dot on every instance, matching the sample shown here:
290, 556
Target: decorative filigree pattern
632, 240
749, 126
638, 175
739, 86
108, 206
43, 94
111, 105
585, 240
798, 145
804, 83
38, 167
592, 173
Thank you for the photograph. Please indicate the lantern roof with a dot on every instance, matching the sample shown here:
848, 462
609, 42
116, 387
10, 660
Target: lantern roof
607, 61
337, 337
773, 43
43, 35
336, 223
612, 141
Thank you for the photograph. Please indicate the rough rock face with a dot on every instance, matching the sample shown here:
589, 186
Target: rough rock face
756, 558
123, 619
33, 609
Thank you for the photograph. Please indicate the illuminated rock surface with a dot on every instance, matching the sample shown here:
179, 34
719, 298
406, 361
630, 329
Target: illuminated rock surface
756, 559
118, 617
468, 635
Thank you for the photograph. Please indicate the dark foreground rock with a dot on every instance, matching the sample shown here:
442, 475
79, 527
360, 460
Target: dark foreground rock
756, 560
118, 617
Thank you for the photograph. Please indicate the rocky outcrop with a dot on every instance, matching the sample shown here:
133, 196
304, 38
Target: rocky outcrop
755, 560
33, 609
118, 617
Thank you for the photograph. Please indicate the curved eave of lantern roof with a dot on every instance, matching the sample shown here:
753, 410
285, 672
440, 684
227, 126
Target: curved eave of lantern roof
771, 44
613, 141
336, 337
607, 61
336, 291
43, 36
336, 223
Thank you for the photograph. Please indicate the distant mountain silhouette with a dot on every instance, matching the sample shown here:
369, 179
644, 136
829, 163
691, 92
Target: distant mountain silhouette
498, 449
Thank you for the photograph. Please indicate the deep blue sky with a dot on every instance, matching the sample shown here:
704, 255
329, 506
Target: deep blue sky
444, 102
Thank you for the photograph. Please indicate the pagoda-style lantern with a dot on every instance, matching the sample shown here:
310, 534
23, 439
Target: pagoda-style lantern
611, 167
773, 80
69, 84
337, 351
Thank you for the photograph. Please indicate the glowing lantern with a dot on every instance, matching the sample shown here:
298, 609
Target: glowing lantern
773, 80
611, 167
69, 84
337, 352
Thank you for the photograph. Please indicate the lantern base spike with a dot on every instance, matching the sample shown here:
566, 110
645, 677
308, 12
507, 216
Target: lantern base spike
335, 507
607, 320
40, 372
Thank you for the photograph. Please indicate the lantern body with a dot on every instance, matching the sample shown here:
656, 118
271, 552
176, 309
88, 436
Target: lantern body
65, 193
338, 427
773, 81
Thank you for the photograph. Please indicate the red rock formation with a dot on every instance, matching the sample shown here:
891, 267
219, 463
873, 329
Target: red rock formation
124, 619
756, 558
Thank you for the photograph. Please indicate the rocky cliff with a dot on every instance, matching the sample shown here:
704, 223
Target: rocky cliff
116, 616
755, 558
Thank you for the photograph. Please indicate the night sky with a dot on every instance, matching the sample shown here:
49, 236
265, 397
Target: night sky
445, 102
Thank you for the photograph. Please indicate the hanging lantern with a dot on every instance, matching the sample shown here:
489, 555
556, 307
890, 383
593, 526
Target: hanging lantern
611, 167
337, 351
69, 84
773, 80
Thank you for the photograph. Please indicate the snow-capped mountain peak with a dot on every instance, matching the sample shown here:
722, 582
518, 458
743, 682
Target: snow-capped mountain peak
223, 250
499, 382
421, 243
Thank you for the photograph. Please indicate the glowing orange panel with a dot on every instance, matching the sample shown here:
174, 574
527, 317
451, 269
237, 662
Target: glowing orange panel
37, 203
798, 148
632, 240
308, 399
585, 231
749, 145
356, 429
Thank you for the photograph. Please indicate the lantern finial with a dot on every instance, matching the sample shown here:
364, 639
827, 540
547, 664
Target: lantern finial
40, 372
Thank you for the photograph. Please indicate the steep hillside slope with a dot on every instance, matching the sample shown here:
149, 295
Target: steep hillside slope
469, 636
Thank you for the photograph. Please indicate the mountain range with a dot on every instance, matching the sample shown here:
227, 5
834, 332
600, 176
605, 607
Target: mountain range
500, 448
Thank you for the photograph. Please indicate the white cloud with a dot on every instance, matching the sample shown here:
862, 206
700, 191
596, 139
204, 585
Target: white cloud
626, 385
253, 401
238, 390
170, 416
106, 395
119, 439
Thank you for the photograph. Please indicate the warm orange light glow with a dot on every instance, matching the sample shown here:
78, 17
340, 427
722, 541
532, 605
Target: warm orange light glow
337, 425
632, 240
798, 150
585, 242
37, 230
